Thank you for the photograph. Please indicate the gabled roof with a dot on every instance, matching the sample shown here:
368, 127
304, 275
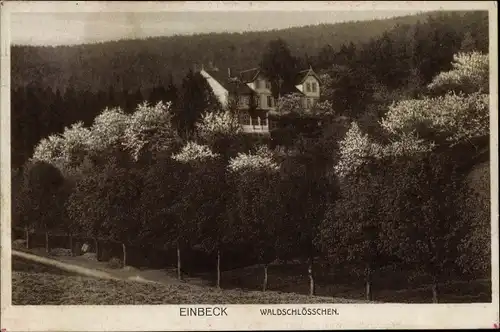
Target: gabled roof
303, 74
289, 89
237, 87
238, 84
249, 75
232, 85
219, 76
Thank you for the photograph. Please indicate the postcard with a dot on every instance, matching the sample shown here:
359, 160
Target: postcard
171, 166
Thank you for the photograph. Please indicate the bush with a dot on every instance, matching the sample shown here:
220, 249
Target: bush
115, 263
19, 243
60, 252
91, 256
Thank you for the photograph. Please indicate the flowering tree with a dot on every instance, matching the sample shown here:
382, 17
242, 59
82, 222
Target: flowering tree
221, 131
261, 160
150, 129
200, 206
254, 207
290, 103
451, 118
218, 123
418, 125
108, 129
193, 152
165, 222
67, 150
354, 226
423, 134
355, 148
470, 73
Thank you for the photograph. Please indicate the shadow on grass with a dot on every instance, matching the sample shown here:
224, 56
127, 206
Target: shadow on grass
390, 284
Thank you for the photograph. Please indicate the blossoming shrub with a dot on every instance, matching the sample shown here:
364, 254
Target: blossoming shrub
261, 160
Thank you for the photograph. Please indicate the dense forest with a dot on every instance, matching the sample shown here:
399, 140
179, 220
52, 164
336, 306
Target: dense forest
144, 64
366, 62
376, 174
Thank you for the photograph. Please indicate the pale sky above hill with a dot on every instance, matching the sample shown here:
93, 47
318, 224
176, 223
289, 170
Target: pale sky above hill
77, 28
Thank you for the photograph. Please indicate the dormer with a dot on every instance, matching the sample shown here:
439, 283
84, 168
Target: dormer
256, 80
307, 82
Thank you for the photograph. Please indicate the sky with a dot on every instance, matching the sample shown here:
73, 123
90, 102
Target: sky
45, 28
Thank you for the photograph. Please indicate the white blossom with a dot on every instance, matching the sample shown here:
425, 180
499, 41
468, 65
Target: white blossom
290, 103
212, 123
49, 149
454, 117
407, 144
470, 73
65, 150
355, 148
261, 160
149, 127
193, 152
108, 129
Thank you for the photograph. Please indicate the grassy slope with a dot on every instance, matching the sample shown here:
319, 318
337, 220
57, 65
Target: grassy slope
389, 284
50, 286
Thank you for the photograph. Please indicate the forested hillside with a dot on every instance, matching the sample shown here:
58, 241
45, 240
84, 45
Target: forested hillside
133, 64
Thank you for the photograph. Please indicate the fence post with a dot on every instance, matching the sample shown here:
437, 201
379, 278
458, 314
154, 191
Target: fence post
47, 242
124, 254
96, 243
27, 234
71, 244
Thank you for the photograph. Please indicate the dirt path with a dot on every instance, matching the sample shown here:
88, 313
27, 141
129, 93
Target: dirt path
100, 270
89, 272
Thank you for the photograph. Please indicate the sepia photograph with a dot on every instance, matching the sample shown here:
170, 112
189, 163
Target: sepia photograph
209, 158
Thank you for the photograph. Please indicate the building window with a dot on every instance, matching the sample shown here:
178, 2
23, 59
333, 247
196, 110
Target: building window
244, 118
309, 100
268, 85
244, 100
308, 87
263, 120
314, 87
258, 102
269, 101
255, 120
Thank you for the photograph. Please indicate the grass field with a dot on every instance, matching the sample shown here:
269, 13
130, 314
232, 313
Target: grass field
34, 284
391, 284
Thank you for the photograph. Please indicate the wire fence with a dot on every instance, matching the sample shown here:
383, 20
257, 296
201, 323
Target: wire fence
140, 256
103, 248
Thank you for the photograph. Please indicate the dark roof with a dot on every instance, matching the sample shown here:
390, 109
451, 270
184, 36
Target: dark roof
288, 89
238, 84
302, 75
232, 85
249, 75
219, 76
239, 88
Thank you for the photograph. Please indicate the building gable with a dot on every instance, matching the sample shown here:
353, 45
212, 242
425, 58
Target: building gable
219, 90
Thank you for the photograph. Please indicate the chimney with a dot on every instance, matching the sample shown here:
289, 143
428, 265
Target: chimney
228, 72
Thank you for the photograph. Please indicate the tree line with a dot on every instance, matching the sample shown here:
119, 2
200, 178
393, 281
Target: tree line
340, 193
133, 64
